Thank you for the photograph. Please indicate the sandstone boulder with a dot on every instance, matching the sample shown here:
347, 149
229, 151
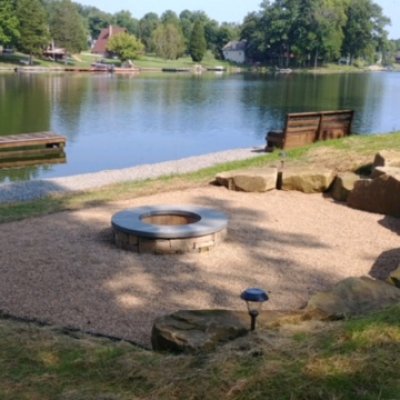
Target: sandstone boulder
387, 158
200, 330
394, 277
379, 171
307, 180
343, 185
353, 296
380, 194
203, 330
253, 180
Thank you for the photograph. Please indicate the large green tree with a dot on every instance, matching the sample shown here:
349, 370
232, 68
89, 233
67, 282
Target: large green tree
125, 20
67, 28
147, 26
170, 17
169, 42
33, 27
217, 36
198, 44
125, 46
358, 28
9, 32
95, 20
254, 34
317, 30
188, 19
305, 32
364, 31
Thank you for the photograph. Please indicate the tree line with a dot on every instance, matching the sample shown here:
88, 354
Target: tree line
282, 32
310, 32
30, 25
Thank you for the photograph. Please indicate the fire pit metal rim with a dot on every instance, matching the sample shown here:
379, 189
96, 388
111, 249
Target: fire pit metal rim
130, 221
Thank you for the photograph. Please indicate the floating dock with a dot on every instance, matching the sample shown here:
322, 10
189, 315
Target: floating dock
31, 148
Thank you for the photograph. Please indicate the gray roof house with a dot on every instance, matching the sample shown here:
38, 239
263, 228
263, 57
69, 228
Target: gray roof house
235, 51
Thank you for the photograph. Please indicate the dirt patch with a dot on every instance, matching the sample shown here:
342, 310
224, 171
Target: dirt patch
64, 268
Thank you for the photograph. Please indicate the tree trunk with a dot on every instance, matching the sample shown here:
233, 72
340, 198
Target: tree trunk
316, 59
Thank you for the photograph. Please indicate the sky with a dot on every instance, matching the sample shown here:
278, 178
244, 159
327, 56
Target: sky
220, 10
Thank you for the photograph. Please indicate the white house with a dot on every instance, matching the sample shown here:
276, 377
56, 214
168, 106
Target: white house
235, 51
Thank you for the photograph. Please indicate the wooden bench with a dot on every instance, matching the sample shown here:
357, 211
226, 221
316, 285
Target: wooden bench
302, 129
30, 148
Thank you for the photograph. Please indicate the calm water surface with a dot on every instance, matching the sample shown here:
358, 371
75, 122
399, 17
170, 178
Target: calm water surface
113, 121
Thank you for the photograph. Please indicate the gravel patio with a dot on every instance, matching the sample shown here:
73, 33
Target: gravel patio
64, 269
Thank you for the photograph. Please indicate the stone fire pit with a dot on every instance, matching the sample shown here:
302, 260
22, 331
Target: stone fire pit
169, 229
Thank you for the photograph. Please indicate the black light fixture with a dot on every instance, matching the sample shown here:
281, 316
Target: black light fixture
254, 298
279, 181
282, 156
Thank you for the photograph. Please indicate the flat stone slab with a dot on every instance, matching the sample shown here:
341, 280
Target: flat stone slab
253, 180
353, 296
380, 194
307, 180
387, 158
343, 185
392, 171
394, 277
203, 330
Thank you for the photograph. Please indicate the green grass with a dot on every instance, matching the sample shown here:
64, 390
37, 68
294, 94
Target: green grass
85, 59
355, 359
151, 61
351, 153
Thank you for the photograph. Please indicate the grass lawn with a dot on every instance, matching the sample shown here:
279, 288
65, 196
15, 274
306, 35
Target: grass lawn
85, 59
355, 359
208, 61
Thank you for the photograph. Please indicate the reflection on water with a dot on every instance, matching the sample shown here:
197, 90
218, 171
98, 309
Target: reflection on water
115, 121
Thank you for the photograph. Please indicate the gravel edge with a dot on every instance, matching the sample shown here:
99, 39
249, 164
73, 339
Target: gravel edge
36, 189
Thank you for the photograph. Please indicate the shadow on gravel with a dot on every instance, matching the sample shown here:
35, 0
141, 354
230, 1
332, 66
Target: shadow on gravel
388, 260
386, 263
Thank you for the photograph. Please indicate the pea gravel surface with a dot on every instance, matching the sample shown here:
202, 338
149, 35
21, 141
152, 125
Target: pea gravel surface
64, 269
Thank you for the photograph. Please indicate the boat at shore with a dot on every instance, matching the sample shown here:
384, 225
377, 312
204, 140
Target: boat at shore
218, 68
175, 69
130, 70
284, 70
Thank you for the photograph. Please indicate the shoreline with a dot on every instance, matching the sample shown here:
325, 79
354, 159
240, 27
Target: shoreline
36, 189
244, 69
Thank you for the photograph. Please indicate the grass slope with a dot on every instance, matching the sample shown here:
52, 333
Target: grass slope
355, 359
85, 59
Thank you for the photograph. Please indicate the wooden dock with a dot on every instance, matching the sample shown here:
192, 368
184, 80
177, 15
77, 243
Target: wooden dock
31, 148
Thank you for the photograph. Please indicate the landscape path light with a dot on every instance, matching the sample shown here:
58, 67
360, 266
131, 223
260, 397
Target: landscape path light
279, 181
282, 157
254, 298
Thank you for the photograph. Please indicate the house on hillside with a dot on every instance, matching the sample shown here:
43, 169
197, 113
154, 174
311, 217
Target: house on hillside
235, 51
54, 53
100, 45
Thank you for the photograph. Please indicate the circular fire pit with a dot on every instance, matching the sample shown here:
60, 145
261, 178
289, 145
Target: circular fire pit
168, 229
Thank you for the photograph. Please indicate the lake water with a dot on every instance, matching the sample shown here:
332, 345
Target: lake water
116, 121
